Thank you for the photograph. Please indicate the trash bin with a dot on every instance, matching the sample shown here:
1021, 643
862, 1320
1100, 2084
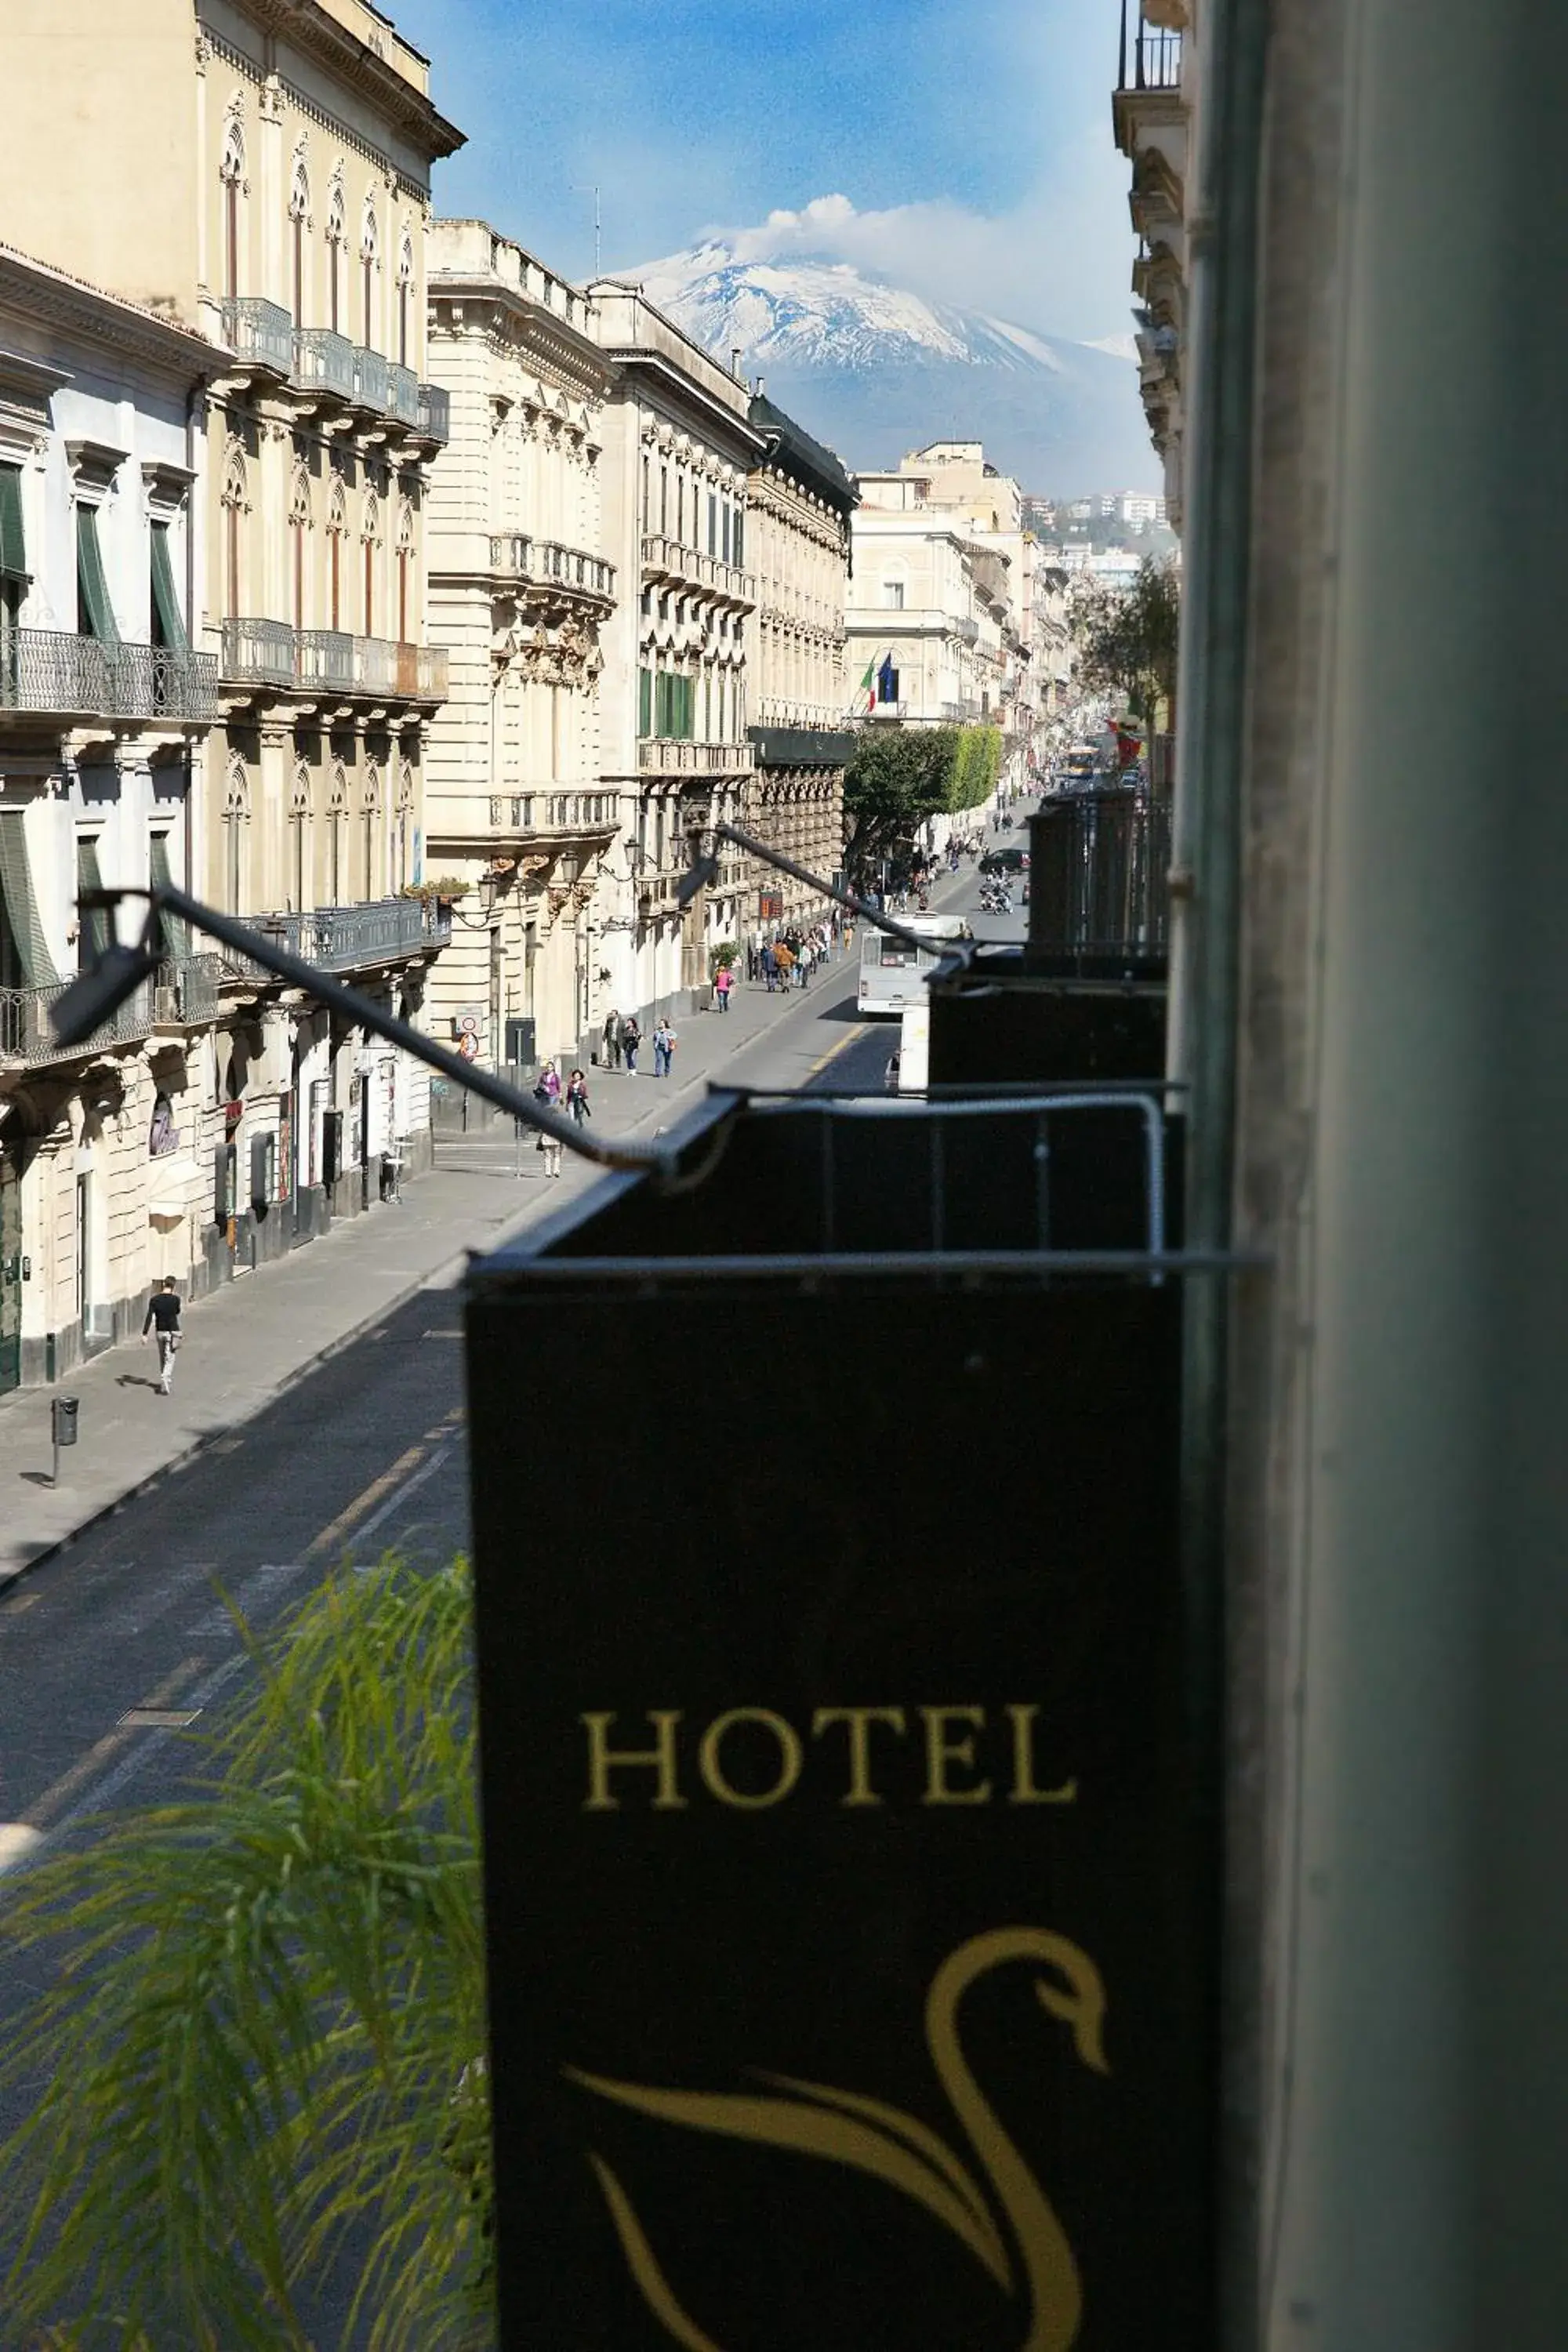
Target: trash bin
64, 1411
812, 1762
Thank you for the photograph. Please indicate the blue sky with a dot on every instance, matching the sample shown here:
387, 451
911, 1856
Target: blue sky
970, 141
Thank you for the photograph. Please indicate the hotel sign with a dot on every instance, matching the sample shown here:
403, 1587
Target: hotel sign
848, 1903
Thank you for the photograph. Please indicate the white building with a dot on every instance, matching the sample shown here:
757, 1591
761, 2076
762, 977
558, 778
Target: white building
518, 810
674, 697
106, 1152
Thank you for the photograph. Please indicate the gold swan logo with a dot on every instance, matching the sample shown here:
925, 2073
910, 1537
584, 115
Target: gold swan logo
845, 2127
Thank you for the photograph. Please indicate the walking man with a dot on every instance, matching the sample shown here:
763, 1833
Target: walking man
663, 1049
612, 1039
163, 1317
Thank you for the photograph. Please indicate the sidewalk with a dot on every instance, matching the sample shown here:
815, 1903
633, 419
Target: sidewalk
247, 1343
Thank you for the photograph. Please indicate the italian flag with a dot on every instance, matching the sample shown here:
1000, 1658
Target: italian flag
868, 684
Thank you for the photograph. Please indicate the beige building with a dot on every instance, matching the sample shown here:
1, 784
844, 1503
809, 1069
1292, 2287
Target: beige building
104, 1149
800, 502
518, 808
261, 174
675, 696
1157, 81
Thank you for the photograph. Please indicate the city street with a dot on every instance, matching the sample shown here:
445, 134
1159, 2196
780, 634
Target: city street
132, 1620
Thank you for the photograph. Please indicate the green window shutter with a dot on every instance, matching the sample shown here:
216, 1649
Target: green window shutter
177, 934
165, 596
645, 701
94, 929
13, 546
661, 702
90, 583
20, 906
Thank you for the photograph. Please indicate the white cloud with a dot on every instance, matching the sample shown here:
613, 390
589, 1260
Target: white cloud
1059, 262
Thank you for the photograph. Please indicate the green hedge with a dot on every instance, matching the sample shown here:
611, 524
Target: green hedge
976, 762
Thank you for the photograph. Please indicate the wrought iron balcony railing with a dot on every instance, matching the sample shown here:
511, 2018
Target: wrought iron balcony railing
330, 661
52, 671
403, 393
261, 333
27, 1031
373, 379
1151, 55
350, 938
669, 755
324, 361
258, 653
434, 412
188, 990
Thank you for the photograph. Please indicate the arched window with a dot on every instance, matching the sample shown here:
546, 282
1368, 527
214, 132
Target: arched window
370, 547
404, 295
405, 565
298, 535
300, 836
231, 171
299, 226
367, 255
337, 834
236, 503
336, 239
403, 838
337, 531
369, 810
236, 836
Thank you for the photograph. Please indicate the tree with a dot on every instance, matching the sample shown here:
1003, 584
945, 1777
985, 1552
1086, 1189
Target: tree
1127, 639
899, 776
263, 2052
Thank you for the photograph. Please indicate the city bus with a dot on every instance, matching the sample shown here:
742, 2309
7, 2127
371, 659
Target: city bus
892, 973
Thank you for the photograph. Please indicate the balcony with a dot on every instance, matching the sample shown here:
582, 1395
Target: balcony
1151, 54
434, 412
53, 673
372, 380
187, 992
258, 653
352, 939
664, 558
666, 755
330, 661
324, 660
27, 1031
260, 334
544, 563
403, 394
324, 363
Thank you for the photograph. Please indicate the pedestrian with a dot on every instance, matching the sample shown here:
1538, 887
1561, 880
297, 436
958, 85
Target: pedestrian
631, 1038
612, 1039
549, 1145
163, 1319
803, 964
784, 961
770, 967
577, 1096
547, 1086
723, 981
663, 1049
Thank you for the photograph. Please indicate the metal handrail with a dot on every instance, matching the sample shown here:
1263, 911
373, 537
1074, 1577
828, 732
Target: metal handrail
26, 1032
324, 361
260, 330
54, 670
434, 412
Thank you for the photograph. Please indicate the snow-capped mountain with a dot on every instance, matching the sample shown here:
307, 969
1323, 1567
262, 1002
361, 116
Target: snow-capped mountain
876, 371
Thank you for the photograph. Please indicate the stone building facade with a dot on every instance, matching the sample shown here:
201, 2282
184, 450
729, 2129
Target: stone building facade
105, 1149
286, 224
800, 502
675, 695
519, 813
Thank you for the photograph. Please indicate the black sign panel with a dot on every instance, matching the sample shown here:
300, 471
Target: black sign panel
851, 1983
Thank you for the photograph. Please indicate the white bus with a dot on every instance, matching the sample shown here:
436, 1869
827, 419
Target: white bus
892, 973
